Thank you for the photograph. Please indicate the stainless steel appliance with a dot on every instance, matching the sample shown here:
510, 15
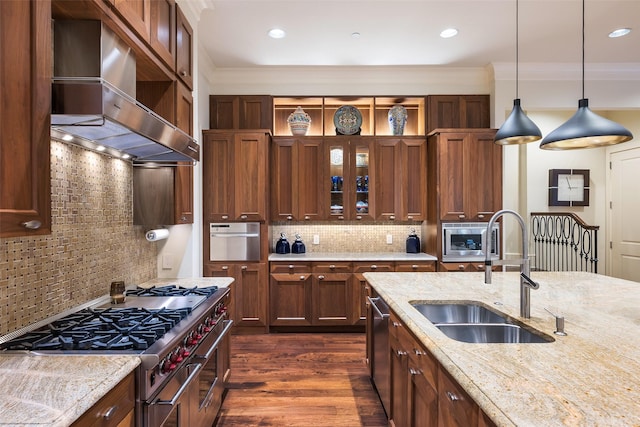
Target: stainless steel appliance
381, 358
179, 334
234, 241
465, 241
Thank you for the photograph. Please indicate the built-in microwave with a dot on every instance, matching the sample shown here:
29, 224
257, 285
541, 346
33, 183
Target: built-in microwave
466, 241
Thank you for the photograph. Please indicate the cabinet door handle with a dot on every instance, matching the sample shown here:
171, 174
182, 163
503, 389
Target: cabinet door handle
418, 352
401, 353
341, 217
183, 218
225, 267
110, 412
374, 267
244, 267
32, 225
301, 277
480, 216
414, 371
358, 217
392, 217
332, 266
307, 217
183, 73
225, 216
461, 267
409, 216
290, 266
243, 217
461, 216
396, 325
321, 277
414, 266
452, 396
289, 217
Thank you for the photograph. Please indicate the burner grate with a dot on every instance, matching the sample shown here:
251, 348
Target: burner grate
165, 291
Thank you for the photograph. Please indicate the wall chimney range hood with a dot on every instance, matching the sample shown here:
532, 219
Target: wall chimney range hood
93, 99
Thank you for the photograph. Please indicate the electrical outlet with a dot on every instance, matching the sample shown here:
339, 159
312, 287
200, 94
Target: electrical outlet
316, 239
167, 262
389, 239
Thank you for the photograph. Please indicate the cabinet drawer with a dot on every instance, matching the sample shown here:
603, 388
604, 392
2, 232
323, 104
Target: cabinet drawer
332, 267
114, 407
456, 408
364, 267
292, 267
416, 266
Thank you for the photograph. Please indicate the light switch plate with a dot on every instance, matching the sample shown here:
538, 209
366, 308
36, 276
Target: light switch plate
316, 239
389, 239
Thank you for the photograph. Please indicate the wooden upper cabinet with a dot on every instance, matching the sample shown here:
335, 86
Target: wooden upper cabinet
297, 178
25, 79
163, 30
240, 112
137, 13
183, 182
467, 175
388, 180
413, 176
458, 111
184, 49
234, 170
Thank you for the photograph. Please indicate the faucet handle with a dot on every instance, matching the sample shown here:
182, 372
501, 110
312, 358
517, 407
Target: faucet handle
530, 282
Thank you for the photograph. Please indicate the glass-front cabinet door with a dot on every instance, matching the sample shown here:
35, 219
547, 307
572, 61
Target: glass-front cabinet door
338, 161
361, 154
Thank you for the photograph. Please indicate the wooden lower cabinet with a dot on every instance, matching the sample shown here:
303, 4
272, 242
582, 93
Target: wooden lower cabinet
423, 394
465, 266
249, 293
119, 403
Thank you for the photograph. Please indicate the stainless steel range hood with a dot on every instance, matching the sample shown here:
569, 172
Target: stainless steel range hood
93, 98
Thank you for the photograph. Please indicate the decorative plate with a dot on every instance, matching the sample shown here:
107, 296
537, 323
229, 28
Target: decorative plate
336, 156
347, 120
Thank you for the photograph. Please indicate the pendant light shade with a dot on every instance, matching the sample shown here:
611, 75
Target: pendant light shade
585, 129
518, 128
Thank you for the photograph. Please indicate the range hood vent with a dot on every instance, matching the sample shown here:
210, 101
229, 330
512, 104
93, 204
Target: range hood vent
93, 99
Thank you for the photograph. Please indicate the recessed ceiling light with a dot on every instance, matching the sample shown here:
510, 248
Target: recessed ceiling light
277, 33
619, 32
126, 156
101, 148
67, 137
355, 35
448, 33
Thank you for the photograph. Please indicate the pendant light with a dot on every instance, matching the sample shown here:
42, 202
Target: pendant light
518, 128
585, 129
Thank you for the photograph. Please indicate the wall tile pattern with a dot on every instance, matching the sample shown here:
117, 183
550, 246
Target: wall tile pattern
346, 236
93, 241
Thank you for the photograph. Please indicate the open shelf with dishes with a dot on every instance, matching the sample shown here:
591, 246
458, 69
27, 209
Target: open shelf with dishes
371, 113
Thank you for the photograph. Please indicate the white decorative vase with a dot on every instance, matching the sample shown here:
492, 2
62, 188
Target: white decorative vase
299, 122
397, 119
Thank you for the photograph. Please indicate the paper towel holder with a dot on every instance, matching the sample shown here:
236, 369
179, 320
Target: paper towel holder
157, 234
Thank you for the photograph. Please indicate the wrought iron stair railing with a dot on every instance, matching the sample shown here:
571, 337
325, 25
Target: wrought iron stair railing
562, 241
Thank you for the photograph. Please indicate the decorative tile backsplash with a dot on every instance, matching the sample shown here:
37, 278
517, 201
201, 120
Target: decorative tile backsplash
346, 237
93, 241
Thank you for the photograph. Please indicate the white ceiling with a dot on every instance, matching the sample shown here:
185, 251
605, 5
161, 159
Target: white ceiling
406, 32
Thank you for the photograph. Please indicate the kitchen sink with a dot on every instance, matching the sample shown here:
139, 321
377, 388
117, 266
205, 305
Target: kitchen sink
438, 313
492, 333
474, 323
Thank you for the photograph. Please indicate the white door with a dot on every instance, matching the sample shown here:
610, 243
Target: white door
624, 252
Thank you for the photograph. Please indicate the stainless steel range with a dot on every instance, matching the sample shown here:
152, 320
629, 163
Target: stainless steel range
181, 336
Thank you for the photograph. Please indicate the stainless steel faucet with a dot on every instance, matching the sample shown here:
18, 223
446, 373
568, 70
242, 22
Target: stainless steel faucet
526, 284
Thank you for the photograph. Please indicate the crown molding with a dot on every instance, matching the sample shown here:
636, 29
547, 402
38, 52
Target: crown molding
193, 8
566, 71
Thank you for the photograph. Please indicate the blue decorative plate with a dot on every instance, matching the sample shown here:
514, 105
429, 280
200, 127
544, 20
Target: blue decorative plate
347, 120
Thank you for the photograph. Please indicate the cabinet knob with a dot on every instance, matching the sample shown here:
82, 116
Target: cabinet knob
183, 218
414, 371
244, 267
289, 217
290, 266
461, 267
401, 353
332, 266
452, 396
409, 216
480, 216
374, 267
414, 266
307, 217
225, 216
392, 217
183, 73
32, 225
301, 277
225, 267
358, 217
418, 352
341, 217
396, 324
243, 217
461, 216
321, 277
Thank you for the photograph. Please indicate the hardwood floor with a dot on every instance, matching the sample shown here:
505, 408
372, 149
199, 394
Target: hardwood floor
305, 380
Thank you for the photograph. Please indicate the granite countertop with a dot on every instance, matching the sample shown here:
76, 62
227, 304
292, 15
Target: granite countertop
353, 256
591, 377
54, 390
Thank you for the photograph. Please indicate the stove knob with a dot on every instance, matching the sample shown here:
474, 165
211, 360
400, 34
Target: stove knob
167, 366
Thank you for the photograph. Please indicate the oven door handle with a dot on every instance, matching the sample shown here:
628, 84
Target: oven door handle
183, 387
227, 326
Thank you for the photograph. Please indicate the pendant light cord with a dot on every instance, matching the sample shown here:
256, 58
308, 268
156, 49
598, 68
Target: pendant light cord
582, 49
517, 43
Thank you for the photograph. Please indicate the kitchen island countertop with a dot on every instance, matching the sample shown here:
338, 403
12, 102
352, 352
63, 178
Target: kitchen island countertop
55, 390
591, 377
